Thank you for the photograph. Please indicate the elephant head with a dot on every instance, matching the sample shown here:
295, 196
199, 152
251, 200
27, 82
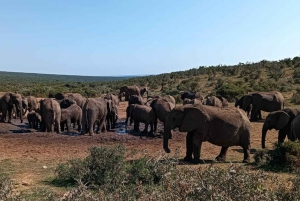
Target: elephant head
275, 120
24, 104
187, 118
247, 101
143, 90
65, 103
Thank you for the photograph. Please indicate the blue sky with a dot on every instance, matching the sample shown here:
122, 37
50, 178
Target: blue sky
104, 38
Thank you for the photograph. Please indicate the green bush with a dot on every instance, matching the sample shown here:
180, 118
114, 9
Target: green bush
285, 156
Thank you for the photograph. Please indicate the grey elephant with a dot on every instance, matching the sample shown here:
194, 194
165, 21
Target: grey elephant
65, 103
112, 97
239, 104
140, 113
162, 108
51, 114
169, 98
78, 98
224, 127
93, 112
16, 111
279, 120
7, 102
112, 112
72, 114
136, 99
194, 101
265, 101
33, 103
214, 101
132, 90
191, 95
295, 128
34, 119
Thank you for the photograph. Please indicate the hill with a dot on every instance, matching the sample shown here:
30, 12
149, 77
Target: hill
230, 81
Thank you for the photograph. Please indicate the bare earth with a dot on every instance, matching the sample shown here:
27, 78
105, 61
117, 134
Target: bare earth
30, 157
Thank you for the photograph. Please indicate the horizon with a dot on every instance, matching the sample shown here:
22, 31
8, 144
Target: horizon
119, 39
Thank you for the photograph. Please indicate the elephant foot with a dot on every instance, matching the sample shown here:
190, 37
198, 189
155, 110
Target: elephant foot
220, 158
9, 121
196, 161
188, 158
247, 160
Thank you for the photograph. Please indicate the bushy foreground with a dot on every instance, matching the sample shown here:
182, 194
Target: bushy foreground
106, 175
284, 157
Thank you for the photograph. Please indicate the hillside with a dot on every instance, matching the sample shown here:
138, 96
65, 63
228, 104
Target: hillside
228, 81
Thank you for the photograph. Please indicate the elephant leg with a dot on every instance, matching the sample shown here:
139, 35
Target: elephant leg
222, 155
189, 147
9, 115
136, 125
246, 154
259, 115
69, 128
146, 127
155, 124
103, 125
4, 113
62, 126
79, 125
281, 136
197, 143
91, 128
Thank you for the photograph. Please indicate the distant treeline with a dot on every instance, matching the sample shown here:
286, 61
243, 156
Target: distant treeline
228, 81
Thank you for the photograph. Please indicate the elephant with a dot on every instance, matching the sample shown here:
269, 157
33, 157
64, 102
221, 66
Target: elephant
132, 90
34, 119
162, 108
224, 127
16, 111
295, 127
93, 112
223, 100
239, 103
112, 97
191, 95
33, 103
194, 101
112, 112
78, 98
266, 101
279, 120
140, 113
135, 99
65, 103
7, 102
72, 114
51, 115
170, 98
214, 101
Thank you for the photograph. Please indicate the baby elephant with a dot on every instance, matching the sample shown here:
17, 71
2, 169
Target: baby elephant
140, 113
72, 114
34, 119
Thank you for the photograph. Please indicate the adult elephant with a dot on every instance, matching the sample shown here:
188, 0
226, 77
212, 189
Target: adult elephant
170, 98
16, 111
51, 115
239, 104
214, 101
191, 95
162, 108
7, 102
279, 120
135, 99
266, 101
33, 103
132, 90
192, 101
231, 127
78, 98
93, 112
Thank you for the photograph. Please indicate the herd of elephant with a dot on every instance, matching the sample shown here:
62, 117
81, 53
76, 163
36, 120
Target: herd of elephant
209, 119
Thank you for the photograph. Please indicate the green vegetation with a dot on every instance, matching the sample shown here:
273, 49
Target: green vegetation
284, 157
105, 175
228, 81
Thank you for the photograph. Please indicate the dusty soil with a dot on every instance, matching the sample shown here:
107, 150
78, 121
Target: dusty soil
30, 157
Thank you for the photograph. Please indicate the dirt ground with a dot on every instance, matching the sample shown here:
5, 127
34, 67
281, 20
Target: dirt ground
30, 157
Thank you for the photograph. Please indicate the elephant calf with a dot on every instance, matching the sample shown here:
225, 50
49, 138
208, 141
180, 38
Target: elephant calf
34, 119
140, 113
72, 114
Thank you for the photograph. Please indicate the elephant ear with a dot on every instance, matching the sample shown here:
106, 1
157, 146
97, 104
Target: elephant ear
282, 120
195, 117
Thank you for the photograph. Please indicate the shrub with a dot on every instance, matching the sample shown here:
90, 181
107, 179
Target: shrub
6, 188
285, 156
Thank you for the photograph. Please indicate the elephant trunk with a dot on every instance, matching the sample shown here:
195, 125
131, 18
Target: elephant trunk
21, 112
167, 134
263, 136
